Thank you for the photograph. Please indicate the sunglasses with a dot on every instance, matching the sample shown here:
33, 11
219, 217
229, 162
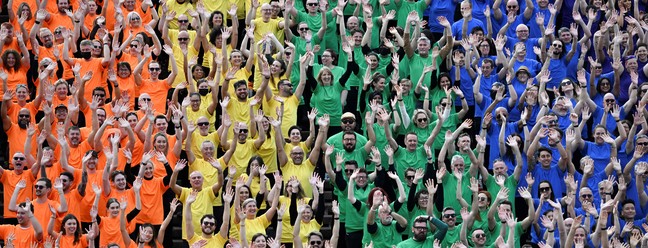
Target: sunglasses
598, 67
642, 144
287, 53
449, 215
39, 186
421, 228
347, 121
421, 120
64, 180
348, 171
23, 116
183, 39
557, 45
610, 100
565, 83
57, 32
312, 4
96, 47
587, 196
444, 104
154, 69
482, 198
100, 95
145, 99
303, 29
135, 18
480, 235
183, 21
19, 158
409, 177
243, 131
644, 90
207, 223
544, 189
134, 45
201, 124
511, 7
315, 242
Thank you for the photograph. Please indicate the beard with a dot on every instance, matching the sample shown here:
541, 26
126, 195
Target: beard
23, 124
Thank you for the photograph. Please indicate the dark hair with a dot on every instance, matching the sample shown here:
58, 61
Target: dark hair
252, 159
239, 83
551, 196
48, 183
17, 57
124, 65
68, 175
371, 197
598, 85
77, 232
211, 19
153, 242
207, 216
294, 128
491, 48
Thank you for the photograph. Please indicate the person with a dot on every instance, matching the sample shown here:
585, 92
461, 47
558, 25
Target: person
207, 222
42, 205
12, 178
423, 237
28, 228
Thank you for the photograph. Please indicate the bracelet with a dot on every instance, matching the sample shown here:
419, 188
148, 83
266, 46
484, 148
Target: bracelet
618, 120
116, 85
336, 218
400, 100
37, 22
462, 98
550, 230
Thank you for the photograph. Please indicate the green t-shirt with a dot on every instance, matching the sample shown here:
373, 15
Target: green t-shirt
416, 66
411, 243
452, 235
510, 183
403, 9
359, 155
448, 125
404, 159
385, 236
327, 100
315, 23
496, 233
336, 140
421, 133
357, 220
450, 191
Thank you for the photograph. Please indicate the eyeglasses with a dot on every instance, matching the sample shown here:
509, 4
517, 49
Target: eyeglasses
587, 196
39, 186
642, 143
421, 120
348, 121
154, 69
99, 95
480, 235
312, 4
315, 242
19, 158
556, 45
208, 223
420, 228
610, 100
145, 99
243, 131
183, 21
545, 189
482, 198
23, 116
183, 39
449, 215
200, 124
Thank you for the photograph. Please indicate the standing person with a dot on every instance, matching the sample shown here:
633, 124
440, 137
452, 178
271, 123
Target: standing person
10, 179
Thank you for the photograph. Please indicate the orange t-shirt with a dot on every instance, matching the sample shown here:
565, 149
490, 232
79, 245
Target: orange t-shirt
109, 231
88, 200
42, 212
98, 80
29, 23
14, 109
87, 113
16, 77
152, 209
158, 168
58, 19
73, 199
24, 236
53, 8
17, 138
75, 156
127, 87
68, 241
9, 180
158, 91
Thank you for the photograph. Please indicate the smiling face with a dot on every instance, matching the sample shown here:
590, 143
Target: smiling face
208, 225
196, 179
479, 237
120, 181
297, 155
70, 226
449, 217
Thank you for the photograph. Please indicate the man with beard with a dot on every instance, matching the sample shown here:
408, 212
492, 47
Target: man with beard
88, 63
16, 132
42, 205
239, 108
10, 179
286, 99
348, 124
541, 164
59, 18
246, 147
350, 149
206, 198
77, 147
73, 196
207, 223
27, 231
422, 235
296, 166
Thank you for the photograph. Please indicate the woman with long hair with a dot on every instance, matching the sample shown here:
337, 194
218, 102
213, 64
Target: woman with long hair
14, 64
71, 232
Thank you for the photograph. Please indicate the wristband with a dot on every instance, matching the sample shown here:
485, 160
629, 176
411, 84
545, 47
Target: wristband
462, 98
116, 85
37, 22
618, 120
550, 231
336, 218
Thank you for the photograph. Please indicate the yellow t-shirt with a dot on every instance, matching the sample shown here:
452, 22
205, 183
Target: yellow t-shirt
286, 227
179, 8
192, 116
199, 208
242, 156
179, 59
307, 228
303, 172
210, 176
239, 111
289, 118
254, 226
216, 241
288, 147
197, 141
255, 187
241, 74
268, 152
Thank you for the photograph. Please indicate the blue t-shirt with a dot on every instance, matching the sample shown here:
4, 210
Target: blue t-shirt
529, 44
610, 123
558, 69
465, 85
440, 8
600, 153
456, 27
534, 29
553, 174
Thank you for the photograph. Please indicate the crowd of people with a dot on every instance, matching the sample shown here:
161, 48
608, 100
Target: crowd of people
445, 123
